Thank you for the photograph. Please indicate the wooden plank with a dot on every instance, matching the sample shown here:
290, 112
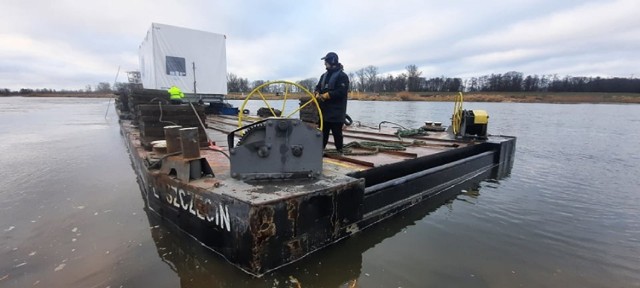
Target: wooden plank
171, 108
349, 159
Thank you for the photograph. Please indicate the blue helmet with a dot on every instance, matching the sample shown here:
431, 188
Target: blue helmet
331, 58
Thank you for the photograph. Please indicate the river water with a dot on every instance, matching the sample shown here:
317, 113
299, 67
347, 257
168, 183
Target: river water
568, 215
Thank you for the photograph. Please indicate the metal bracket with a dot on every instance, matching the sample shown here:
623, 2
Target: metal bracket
186, 169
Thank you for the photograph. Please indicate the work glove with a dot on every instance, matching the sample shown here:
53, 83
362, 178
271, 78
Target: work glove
325, 96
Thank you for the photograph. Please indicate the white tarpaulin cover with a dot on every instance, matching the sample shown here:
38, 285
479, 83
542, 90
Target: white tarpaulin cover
168, 55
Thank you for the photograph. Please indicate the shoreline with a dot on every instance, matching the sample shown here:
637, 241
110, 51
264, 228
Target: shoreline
506, 97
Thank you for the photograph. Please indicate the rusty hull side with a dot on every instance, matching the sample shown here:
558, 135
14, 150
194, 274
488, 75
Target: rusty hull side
284, 231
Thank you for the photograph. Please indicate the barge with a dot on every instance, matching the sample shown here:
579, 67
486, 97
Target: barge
262, 193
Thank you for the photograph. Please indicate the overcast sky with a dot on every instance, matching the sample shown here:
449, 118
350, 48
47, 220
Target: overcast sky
68, 44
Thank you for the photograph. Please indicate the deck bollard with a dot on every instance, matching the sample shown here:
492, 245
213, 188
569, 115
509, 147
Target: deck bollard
172, 135
190, 145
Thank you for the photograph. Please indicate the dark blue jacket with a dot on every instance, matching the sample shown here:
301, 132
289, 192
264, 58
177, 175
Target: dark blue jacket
336, 82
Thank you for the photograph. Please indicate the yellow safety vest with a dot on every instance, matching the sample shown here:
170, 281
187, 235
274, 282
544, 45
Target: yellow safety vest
175, 93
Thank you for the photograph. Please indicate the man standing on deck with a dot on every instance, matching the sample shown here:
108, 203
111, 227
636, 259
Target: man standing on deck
332, 91
175, 95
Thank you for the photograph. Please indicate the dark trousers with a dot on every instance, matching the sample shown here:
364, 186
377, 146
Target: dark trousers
176, 101
336, 130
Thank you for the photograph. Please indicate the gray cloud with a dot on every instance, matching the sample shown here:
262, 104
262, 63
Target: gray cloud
68, 44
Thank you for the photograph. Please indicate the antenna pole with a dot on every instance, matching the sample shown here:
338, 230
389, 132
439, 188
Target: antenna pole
194, 77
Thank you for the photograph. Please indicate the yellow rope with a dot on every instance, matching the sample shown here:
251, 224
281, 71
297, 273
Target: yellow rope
456, 118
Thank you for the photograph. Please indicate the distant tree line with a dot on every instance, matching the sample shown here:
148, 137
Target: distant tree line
516, 82
102, 87
236, 84
369, 80
28, 91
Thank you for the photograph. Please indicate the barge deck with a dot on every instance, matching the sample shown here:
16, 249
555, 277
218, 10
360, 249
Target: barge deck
260, 224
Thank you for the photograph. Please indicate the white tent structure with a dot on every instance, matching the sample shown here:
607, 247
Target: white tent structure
192, 60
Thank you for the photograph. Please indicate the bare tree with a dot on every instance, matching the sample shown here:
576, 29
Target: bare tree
236, 83
309, 83
258, 83
399, 83
371, 75
413, 77
352, 77
361, 80
233, 83
103, 87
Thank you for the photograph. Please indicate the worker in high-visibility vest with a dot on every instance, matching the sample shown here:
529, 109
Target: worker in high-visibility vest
175, 95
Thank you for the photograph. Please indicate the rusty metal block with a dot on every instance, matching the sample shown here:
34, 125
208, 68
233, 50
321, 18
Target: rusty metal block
186, 169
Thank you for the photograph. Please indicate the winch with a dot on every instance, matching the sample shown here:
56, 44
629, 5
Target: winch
276, 148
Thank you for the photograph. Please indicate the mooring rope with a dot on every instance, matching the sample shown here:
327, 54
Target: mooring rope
410, 132
373, 148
